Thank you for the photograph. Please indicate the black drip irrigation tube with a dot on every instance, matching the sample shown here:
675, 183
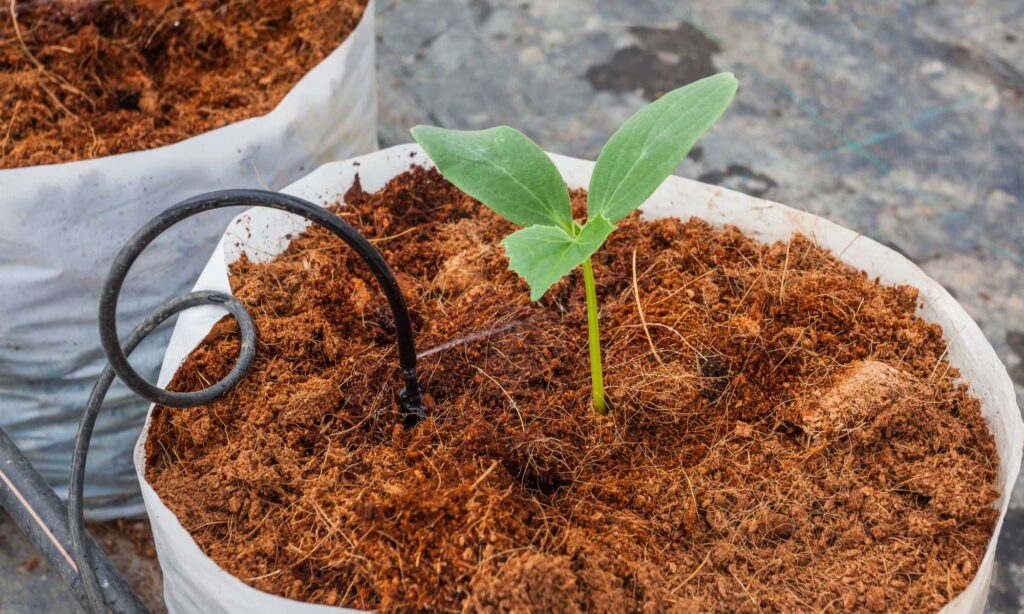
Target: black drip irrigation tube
58, 533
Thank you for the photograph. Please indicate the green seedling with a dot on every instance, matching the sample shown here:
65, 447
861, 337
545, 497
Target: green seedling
506, 171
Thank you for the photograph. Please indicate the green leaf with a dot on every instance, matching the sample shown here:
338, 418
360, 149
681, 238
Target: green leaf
652, 143
544, 254
502, 168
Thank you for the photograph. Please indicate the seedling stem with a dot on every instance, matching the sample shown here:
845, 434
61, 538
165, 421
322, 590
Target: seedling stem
596, 377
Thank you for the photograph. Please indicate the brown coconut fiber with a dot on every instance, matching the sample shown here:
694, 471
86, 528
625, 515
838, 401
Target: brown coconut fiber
81, 79
785, 435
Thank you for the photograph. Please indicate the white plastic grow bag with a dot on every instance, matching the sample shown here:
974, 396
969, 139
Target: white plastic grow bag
193, 582
62, 224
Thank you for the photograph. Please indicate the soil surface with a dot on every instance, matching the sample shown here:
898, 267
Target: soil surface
785, 435
80, 80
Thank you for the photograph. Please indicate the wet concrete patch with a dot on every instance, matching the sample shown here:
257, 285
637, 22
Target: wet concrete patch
481, 10
663, 60
741, 178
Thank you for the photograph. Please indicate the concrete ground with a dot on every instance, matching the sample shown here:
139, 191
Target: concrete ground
902, 120
29, 586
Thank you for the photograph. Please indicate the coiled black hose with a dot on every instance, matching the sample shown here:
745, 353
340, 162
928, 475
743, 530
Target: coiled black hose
410, 396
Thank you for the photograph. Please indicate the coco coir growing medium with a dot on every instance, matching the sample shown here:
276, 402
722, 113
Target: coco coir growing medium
81, 80
784, 435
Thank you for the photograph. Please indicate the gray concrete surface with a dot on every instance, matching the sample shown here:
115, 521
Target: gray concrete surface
29, 586
902, 120
26, 583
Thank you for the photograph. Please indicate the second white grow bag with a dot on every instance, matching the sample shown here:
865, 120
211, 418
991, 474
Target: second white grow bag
62, 224
193, 582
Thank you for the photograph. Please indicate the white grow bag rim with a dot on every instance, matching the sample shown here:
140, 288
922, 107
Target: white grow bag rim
194, 582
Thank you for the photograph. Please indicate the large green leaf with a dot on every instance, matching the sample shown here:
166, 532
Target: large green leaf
502, 168
652, 143
544, 254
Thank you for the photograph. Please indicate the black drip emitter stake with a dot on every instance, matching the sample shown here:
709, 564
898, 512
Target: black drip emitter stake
110, 595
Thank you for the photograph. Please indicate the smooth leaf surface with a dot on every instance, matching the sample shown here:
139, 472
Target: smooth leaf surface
502, 168
544, 254
652, 143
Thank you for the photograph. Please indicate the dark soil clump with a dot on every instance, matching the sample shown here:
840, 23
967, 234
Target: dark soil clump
84, 79
786, 433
